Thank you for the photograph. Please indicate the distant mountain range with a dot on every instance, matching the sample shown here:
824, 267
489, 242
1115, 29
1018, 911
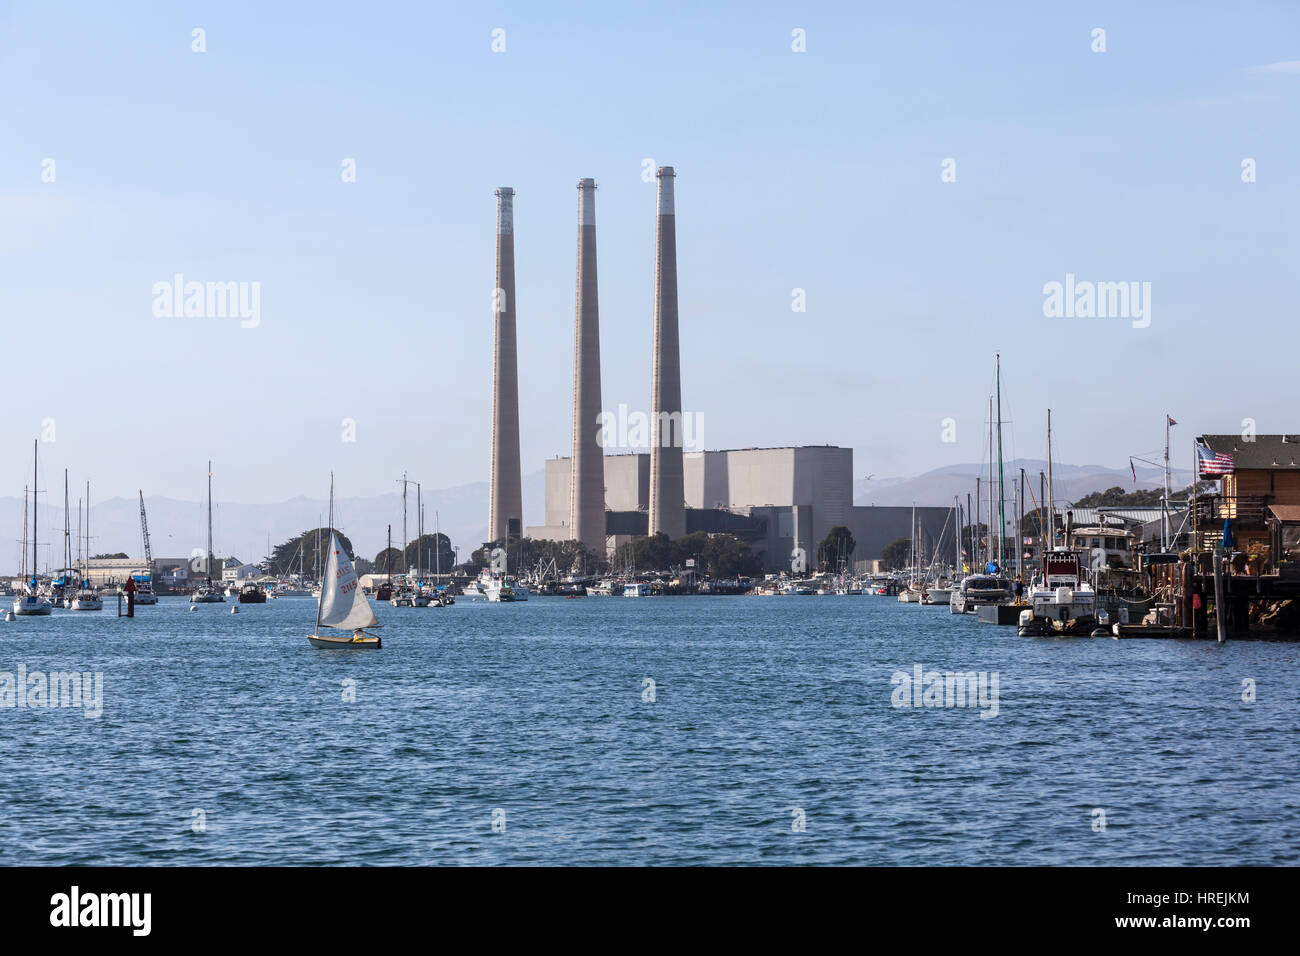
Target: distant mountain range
177, 527
940, 486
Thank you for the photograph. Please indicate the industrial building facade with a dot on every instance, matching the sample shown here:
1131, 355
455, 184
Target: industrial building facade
792, 498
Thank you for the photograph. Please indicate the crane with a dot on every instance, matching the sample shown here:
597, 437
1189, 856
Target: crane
144, 531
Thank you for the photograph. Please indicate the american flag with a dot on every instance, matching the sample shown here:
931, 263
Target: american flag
1212, 463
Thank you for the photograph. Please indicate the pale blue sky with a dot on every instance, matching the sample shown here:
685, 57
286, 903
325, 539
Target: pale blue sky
818, 170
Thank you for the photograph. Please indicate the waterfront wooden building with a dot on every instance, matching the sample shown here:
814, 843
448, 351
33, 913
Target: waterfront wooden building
1258, 498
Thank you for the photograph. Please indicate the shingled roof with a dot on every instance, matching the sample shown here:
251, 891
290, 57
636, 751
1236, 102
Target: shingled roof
1266, 451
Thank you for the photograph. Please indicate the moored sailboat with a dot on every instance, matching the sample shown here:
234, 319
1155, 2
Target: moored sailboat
343, 604
31, 602
208, 592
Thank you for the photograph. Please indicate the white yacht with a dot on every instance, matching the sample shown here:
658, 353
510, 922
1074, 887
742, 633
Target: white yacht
144, 593
86, 599
636, 589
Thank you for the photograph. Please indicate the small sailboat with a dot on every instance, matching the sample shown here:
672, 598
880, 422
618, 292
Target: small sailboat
31, 602
87, 598
343, 603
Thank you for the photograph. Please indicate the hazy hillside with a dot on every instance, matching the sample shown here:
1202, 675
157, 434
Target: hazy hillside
176, 528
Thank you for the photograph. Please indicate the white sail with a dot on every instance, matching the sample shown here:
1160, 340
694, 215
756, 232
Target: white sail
342, 602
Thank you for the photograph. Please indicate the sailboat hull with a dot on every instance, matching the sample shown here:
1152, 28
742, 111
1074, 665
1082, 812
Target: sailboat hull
345, 640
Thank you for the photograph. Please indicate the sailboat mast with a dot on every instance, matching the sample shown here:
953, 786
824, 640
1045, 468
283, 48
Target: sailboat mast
86, 575
209, 520
320, 601
437, 551
419, 535
35, 450
990, 525
1002, 498
67, 527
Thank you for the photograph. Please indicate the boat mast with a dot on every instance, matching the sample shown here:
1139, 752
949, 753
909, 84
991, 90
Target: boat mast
1164, 501
86, 576
956, 537
990, 525
1002, 498
1051, 490
419, 536
437, 551
388, 555
209, 521
35, 450
67, 529
321, 600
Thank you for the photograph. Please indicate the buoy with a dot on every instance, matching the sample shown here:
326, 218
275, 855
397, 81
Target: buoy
194, 607
9, 615
234, 610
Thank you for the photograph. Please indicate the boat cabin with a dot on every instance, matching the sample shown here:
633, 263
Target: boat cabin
1063, 568
1116, 544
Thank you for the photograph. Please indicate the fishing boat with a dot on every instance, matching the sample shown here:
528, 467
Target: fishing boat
343, 605
1062, 600
207, 592
252, 594
31, 602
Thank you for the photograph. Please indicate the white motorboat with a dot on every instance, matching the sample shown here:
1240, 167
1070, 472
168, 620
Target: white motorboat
144, 593
636, 589
977, 590
1062, 600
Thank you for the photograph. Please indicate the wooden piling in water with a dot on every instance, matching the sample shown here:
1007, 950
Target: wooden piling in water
1219, 609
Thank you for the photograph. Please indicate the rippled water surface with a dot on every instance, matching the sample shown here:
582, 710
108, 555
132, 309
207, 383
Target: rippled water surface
763, 706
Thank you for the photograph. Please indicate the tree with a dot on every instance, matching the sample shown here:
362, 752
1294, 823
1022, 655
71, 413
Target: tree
836, 548
430, 552
283, 558
897, 553
720, 555
388, 560
120, 554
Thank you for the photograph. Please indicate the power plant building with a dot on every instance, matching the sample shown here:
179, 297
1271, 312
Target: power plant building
779, 499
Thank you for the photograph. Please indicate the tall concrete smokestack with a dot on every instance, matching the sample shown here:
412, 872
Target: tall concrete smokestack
667, 484
505, 500
587, 484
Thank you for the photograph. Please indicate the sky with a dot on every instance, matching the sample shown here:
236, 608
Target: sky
821, 171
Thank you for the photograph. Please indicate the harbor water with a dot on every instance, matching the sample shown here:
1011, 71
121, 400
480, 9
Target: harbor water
689, 730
